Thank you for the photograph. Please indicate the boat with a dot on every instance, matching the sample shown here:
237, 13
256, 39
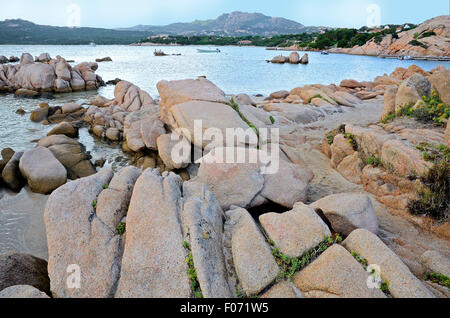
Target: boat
208, 51
405, 58
324, 53
159, 53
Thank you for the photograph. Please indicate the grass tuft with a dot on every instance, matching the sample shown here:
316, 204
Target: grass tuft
192, 272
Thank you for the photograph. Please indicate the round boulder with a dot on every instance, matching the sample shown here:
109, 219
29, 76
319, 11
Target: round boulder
42, 170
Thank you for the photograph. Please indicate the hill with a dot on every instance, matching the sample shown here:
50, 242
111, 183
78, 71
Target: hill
230, 24
25, 32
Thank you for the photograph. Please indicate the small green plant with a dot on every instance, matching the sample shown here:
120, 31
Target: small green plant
434, 199
272, 120
438, 279
389, 118
416, 35
373, 161
427, 34
291, 265
315, 96
384, 286
105, 186
192, 272
360, 259
121, 228
418, 43
235, 106
330, 136
94, 204
432, 110
352, 141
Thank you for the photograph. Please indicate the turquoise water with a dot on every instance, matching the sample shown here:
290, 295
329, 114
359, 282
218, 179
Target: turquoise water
235, 70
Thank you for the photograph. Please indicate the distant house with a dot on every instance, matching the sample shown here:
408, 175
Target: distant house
245, 42
399, 30
407, 27
387, 27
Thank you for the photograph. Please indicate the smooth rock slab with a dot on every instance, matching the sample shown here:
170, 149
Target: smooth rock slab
252, 256
335, 274
166, 147
22, 291
348, 212
112, 203
297, 231
76, 236
402, 283
42, 170
436, 263
282, 290
232, 184
153, 264
202, 220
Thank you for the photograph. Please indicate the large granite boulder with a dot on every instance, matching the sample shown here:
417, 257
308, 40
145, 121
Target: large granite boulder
348, 212
84, 253
42, 170
252, 257
11, 173
203, 224
22, 269
217, 116
440, 82
245, 185
178, 92
402, 283
295, 232
335, 274
71, 154
153, 264
436, 263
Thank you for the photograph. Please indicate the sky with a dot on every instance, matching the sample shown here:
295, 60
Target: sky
112, 13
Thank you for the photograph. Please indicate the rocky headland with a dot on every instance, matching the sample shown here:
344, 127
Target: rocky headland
358, 206
431, 38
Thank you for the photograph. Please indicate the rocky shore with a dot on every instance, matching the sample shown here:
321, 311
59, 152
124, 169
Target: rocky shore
337, 224
33, 76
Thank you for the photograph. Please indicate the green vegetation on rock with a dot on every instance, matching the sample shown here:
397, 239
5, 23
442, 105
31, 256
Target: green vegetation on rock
192, 272
291, 265
439, 279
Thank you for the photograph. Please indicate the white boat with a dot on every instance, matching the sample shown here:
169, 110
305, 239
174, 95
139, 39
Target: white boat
208, 51
324, 53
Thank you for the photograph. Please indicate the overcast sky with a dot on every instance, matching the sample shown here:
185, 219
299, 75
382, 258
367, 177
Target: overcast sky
111, 13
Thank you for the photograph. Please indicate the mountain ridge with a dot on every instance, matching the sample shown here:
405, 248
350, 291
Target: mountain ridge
236, 23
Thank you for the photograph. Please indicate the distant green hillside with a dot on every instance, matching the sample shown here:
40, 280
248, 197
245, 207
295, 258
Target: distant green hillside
25, 32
